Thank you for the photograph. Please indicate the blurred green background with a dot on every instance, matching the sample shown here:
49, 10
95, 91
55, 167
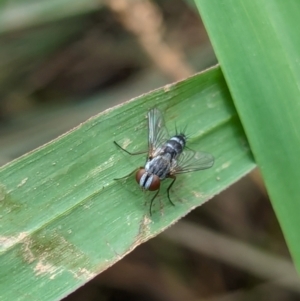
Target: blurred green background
65, 61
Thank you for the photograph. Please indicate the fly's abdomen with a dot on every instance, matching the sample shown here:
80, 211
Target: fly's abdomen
175, 145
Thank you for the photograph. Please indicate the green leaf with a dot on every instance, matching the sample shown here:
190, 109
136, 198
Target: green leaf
63, 217
258, 46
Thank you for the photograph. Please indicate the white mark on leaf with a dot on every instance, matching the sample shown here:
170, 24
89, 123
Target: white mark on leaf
22, 182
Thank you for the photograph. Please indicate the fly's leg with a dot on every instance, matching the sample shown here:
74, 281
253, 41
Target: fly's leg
168, 190
152, 201
126, 151
127, 176
132, 154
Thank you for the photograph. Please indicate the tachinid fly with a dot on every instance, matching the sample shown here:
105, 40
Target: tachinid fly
166, 157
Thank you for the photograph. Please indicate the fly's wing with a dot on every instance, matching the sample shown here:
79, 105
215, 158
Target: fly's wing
158, 133
190, 160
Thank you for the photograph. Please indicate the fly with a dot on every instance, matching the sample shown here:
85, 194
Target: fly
166, 157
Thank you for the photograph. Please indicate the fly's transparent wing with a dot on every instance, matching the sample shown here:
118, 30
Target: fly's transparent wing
190, 160
158, 134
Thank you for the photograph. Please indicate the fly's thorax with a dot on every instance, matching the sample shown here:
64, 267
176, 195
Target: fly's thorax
163, 158
159, 166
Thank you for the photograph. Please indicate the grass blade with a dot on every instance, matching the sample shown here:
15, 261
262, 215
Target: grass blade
258, 46
64, 219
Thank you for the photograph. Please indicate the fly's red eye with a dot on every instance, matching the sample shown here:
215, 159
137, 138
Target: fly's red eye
155, 184
139, 174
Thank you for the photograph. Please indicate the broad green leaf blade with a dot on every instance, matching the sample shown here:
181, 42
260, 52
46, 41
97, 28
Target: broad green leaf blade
258, 46
63, 217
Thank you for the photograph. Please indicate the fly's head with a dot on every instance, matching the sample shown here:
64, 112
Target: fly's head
147, 180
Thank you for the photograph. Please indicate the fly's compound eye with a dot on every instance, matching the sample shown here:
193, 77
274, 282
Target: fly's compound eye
155, 184
146, 181
139, 174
